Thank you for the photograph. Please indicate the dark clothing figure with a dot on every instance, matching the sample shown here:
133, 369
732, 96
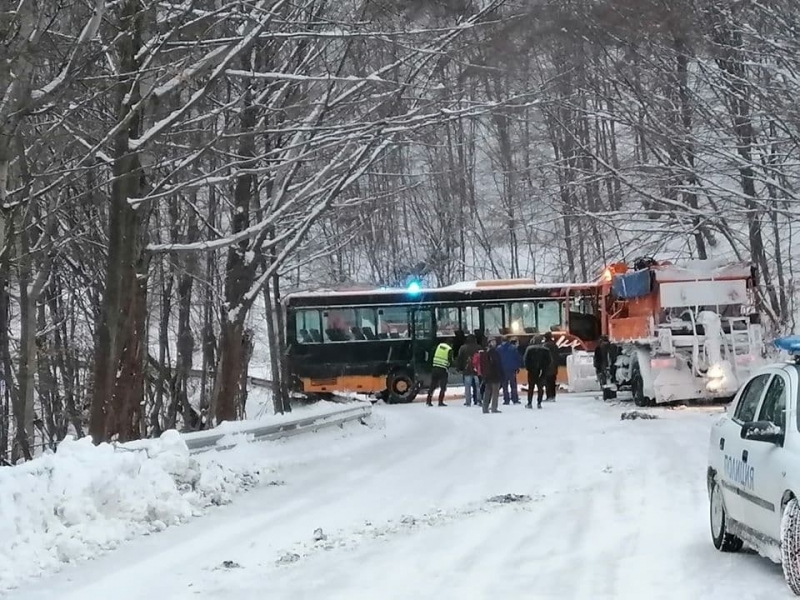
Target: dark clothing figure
465, 354
491, 395
465, 364
491, 366
492, 371
439, 377
511, 361
552, 372
550, 385
539, 385
601, 360
537, 363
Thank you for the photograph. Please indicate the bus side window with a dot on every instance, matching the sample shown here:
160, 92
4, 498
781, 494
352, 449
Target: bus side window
338, 324
366, 324
548, 315
423, 324
493, 320
307, 327
523, 318
392, 322
447, 321
470, 319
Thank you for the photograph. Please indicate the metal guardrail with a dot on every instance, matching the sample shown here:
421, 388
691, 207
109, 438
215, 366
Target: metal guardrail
251, 379
202, 441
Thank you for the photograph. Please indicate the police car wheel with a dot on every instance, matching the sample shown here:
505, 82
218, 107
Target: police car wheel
790, 545
723, 541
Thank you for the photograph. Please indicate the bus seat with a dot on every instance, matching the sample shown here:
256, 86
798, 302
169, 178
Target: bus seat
306, 338
383, 336
368, 333
357, 333
316, 335
337, 335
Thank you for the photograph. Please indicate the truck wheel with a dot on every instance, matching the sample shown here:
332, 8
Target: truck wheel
723, 541
401, 387
790, 545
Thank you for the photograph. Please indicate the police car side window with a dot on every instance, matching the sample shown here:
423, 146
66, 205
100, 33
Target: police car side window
774, 405
748, 403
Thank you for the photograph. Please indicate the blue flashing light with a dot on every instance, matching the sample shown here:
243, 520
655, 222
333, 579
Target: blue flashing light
413, 288
790, 344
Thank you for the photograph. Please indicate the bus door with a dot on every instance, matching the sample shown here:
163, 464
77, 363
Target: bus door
422, 340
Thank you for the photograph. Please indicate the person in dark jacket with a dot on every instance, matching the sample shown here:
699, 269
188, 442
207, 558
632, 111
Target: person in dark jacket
552, 372
472, 388
537, 363
492, 370
601, 356
511, 360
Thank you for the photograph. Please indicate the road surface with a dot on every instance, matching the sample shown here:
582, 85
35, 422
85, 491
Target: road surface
607, 509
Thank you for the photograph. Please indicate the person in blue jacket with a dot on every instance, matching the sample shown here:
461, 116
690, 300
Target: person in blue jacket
511, 360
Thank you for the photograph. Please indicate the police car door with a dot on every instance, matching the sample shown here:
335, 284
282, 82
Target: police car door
737, 477
768, 461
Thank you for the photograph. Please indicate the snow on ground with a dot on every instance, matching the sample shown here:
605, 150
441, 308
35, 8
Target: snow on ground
86, 500
604, 508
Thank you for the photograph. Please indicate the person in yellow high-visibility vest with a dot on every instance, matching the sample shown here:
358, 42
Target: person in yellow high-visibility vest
442, 359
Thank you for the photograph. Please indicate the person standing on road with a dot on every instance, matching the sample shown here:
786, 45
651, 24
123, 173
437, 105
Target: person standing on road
511, 360
477, 361
537, 363
442, 359
601, 364
464, 363
552, 371
492, 369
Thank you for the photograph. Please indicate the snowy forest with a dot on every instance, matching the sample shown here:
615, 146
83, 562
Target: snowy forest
169, 169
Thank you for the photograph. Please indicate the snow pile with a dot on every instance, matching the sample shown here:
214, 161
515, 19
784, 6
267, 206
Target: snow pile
85, 499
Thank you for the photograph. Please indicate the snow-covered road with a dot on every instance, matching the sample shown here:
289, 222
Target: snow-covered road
617, 509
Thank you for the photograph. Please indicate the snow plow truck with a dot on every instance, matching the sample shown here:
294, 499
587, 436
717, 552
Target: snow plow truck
676, 332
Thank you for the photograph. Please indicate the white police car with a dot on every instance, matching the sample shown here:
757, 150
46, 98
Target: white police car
754, 467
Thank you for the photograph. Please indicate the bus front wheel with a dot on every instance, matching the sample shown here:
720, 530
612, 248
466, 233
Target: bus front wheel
401, 387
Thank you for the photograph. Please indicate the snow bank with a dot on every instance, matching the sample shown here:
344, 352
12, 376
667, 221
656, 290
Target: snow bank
85, 500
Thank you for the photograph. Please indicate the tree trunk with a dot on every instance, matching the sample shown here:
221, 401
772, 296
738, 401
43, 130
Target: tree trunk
27, 353
209, 343
239, 274
120, 342
227, 379
164, 367
274, 350
20, 445
64, 355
